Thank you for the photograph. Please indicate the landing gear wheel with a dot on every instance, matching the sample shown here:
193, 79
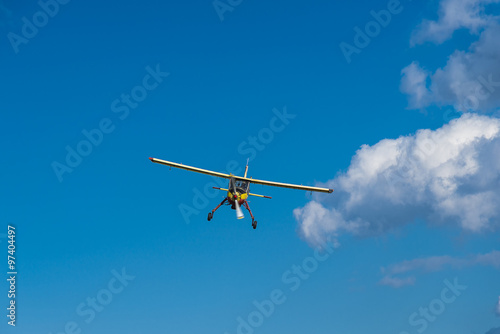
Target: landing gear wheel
210, 216
254, 224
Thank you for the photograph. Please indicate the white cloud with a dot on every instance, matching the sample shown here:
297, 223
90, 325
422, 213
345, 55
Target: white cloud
433, 264
454, 15
396, 282
414, 84
470, 80
449, 175
497, 308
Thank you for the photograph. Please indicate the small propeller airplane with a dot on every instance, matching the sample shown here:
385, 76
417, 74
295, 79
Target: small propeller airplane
238, 189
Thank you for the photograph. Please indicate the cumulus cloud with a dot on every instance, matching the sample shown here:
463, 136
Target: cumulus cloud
414, 84
449, 175
433, 264
454, 15
470, 80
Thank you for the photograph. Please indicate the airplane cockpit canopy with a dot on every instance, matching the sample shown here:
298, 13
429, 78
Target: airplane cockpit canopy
242, 186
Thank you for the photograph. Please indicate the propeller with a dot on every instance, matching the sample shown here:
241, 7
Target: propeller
239, 213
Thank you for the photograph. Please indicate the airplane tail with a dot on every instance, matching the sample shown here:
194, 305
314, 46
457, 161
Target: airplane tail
250, 194
246, 169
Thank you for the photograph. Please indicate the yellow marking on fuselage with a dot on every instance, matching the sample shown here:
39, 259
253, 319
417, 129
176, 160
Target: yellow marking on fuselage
243, 196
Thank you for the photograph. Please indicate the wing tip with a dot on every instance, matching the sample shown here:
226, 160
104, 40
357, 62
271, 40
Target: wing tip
330, 191
151, 159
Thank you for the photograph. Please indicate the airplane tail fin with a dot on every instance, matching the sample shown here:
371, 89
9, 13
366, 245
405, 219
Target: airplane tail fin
246, 169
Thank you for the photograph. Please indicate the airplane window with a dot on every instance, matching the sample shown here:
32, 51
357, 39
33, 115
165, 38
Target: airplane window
242, 185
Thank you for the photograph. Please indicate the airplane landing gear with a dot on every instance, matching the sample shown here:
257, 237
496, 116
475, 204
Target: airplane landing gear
254, 222
211, 214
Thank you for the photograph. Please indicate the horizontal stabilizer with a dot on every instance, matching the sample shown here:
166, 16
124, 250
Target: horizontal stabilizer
257, 195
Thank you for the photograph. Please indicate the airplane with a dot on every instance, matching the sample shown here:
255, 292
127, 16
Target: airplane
238, 189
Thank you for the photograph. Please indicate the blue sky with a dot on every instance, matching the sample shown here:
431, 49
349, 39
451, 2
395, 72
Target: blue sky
194, 83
